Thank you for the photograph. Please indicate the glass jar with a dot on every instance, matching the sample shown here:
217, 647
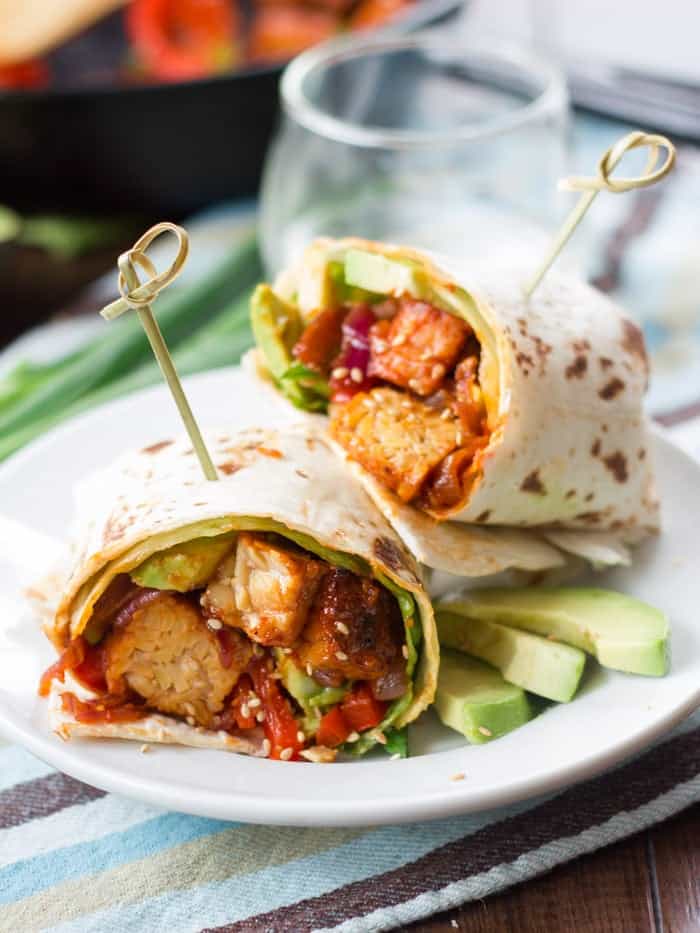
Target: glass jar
451, 145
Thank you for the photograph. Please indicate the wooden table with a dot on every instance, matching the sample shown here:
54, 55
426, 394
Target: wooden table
650, 883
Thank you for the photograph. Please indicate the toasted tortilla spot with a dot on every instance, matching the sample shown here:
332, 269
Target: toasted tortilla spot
524, 361
389, 553
581, 346
617, 464
611, 389
605, 362
595, 449
570, 494
641, 453
591, 518
633, 342
532, 483
271, 452
229, 467
577, 369
589, 497
483, 517
154, 448
302, 474
542, 350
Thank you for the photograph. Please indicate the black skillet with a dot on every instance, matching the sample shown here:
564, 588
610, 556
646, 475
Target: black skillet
164, 149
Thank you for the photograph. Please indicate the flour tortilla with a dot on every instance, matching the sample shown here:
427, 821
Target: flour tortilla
157, 497
563, 375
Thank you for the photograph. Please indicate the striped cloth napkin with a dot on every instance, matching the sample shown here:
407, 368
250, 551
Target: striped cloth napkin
74, 859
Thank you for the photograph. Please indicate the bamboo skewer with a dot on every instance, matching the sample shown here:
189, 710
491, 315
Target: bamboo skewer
590, 187
138, 296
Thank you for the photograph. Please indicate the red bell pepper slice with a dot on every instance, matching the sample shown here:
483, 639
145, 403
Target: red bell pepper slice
361, 710
29, 74
281, 32
333, 729
182, 39
281, 727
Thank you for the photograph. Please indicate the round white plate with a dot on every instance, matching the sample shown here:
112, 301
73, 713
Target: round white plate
613, 716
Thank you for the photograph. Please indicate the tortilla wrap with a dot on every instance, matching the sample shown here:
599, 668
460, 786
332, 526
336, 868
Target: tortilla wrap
156, 498
563, 378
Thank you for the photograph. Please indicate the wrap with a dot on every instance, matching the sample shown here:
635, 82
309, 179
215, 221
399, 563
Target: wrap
273, 612
454, 399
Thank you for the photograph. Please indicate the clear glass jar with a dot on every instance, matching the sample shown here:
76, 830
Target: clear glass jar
445, 144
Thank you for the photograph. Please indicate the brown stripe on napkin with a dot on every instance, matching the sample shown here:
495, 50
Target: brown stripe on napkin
41, 797
572, 812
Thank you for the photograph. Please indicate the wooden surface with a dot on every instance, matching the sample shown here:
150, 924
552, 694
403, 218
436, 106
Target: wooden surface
649, 883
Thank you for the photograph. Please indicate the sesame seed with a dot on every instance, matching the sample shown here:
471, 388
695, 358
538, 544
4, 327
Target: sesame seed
404, 651
245, 711
214, 624
438, 371
286, 754
413, 384
286, 650
266, 747
399, 341
275, 676
254, 702
368, 402
353, 737
300, 736
260, 717
380, 737
190, 720
144, 749
459, 438
446, 413
341, 656
484, 731
406, 403
381, 346
395, 756
309, 670
454, 924
458, 777
342, 627
356, 374
340, 372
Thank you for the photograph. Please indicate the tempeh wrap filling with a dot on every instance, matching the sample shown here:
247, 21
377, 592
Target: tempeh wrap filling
249, 633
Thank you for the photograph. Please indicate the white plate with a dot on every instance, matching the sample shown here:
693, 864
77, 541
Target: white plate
614, 715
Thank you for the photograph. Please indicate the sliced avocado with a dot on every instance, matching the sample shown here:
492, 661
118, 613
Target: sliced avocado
544, 667
343, 292
474, 699
623, 633
277, 326
375, 273
303, 688
184, 566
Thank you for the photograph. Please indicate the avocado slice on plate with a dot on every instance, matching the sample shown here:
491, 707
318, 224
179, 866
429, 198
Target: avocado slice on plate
544, 667
183, 567
622, 632
476, 701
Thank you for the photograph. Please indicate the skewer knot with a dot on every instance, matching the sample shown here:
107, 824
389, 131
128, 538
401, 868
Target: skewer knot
611, 157
134, 293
